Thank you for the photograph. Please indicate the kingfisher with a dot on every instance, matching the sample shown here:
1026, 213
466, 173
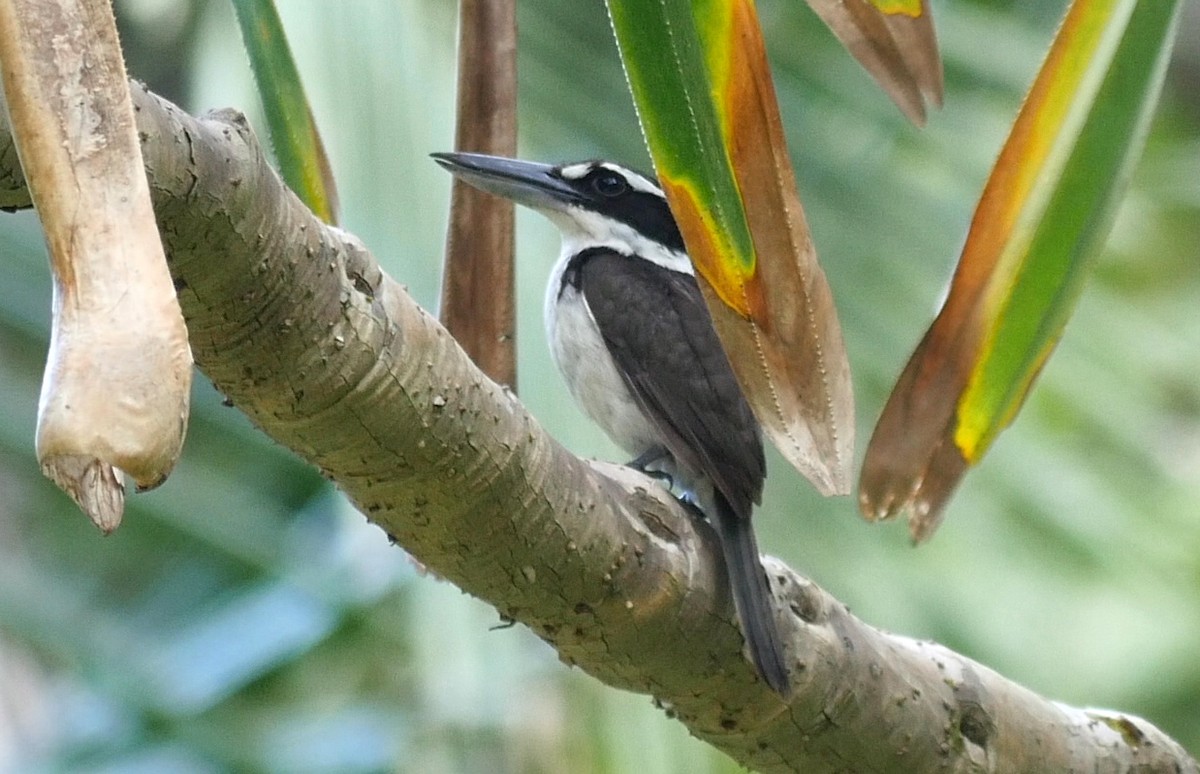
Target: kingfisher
629, 331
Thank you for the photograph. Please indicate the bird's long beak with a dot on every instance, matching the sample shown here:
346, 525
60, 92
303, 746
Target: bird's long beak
524, 182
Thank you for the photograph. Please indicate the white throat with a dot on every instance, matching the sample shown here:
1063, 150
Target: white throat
575, 340
582, 229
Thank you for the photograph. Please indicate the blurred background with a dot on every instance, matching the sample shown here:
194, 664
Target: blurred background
245, 618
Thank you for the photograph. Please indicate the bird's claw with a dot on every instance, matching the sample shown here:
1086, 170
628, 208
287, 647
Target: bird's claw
647, 458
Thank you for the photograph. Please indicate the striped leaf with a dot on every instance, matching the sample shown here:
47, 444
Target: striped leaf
294, 136
699, 76
1043, 217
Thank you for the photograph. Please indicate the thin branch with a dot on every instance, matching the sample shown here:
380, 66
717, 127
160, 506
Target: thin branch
297, 324
478, 284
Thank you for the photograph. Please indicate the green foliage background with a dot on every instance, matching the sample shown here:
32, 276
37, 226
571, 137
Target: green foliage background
245, 618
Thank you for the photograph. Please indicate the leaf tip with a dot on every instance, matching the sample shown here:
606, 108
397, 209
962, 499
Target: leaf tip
93, 484
921, 496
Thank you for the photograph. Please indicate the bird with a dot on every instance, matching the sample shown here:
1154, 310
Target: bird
629, 331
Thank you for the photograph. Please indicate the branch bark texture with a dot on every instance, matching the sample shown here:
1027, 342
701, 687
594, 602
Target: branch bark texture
297, 324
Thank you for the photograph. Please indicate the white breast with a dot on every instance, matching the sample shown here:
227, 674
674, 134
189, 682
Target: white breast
588, 369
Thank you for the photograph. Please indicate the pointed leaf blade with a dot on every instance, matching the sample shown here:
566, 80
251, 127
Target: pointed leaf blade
703, 90
1043, 216
303, 163
894, 41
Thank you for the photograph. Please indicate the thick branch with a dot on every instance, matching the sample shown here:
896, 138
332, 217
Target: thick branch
297, 324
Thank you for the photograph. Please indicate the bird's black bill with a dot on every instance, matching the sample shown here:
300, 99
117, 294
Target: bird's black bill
524, 182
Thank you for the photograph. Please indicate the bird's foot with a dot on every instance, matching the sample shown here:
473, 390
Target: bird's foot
688, 501
647, 458
661, 475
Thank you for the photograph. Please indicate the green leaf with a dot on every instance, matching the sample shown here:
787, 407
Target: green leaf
1042, 218
294, 136
700, 80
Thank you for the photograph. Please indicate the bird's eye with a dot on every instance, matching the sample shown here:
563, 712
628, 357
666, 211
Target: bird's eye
609, 184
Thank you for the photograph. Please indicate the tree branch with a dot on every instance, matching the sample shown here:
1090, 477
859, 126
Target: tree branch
300, 328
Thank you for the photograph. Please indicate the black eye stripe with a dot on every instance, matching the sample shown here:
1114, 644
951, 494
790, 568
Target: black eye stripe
609, 183
645, 212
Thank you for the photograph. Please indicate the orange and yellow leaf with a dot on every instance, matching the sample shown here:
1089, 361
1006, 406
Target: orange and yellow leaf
699, 75
1042, 218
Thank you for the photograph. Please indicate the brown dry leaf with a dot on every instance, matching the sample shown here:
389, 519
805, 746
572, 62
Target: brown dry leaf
898, 50
115, 393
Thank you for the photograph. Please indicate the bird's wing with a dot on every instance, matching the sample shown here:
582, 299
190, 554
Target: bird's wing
662, 340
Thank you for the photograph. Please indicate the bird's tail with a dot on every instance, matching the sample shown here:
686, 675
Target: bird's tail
751, 594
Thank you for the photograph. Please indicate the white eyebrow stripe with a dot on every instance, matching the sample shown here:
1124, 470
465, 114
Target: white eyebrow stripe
577, 171
585, 168
636, 181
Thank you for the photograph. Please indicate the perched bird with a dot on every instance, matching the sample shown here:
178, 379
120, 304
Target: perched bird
630, 333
